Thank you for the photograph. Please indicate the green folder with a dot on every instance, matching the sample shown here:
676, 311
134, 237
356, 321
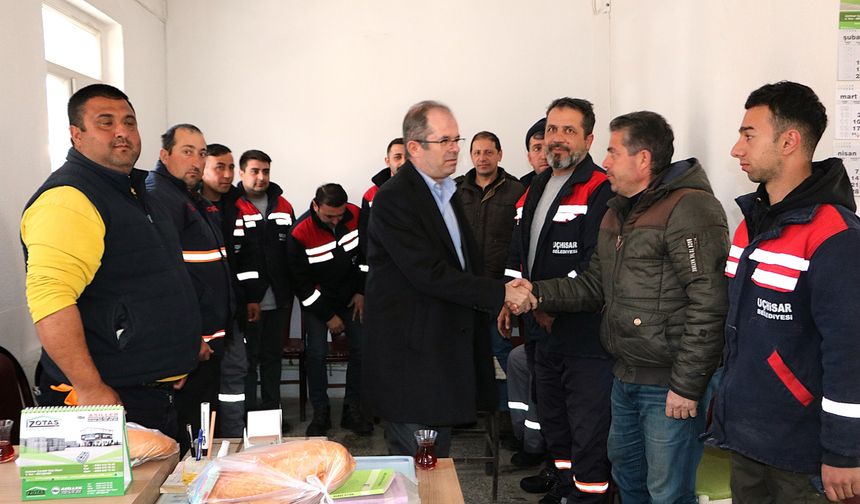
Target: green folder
365, 482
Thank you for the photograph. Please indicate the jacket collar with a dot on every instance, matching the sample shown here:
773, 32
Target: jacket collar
136, 180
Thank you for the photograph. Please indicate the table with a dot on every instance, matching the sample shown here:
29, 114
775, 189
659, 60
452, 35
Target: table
143, 489
440, 486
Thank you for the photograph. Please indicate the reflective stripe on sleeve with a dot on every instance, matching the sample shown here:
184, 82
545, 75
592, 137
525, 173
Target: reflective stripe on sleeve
215, 335
531, 424
513, 273
202, 256
310, 299
247, 275
518, 405
849, 410
231, 397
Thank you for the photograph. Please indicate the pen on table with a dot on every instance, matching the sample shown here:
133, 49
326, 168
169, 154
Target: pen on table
199, 445
190, 436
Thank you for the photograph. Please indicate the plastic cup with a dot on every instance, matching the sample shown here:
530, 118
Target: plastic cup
7, 451
425, 458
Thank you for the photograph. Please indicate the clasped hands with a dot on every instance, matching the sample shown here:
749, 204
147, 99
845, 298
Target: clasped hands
518, 296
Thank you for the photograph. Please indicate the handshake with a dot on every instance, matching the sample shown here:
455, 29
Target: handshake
518, 296
518, 300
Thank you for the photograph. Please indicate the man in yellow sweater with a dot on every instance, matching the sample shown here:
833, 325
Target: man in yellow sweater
113, 305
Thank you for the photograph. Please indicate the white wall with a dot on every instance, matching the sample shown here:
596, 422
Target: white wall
323, 86
24, 130
696, 62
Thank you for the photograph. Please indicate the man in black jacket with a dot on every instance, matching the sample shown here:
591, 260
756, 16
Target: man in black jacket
535, 151
217, 187
324, 264
174, 183
395, 156
555, 236
420, 352
262, 225
488, 194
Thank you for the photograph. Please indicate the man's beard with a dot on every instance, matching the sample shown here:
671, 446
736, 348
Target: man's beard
564, 161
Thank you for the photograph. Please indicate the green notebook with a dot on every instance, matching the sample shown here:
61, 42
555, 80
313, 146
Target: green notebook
365, 482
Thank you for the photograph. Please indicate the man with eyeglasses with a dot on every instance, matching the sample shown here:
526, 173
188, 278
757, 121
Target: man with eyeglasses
423, 366
174, 183
555, 235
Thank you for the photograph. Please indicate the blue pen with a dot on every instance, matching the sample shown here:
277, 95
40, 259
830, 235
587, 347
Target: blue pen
199, 445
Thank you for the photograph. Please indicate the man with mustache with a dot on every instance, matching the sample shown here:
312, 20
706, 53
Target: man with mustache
111, 298
488, 194
535, 151
174, 182
217, 187
262, 226
557, 220
656, 275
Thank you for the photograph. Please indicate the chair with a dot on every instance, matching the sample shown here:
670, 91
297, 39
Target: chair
712, 477
294, 348
15, 394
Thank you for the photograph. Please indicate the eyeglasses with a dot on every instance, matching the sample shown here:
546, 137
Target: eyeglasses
445, 142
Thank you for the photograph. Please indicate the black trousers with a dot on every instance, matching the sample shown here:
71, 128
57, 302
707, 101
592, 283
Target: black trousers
201, 386
264, 348
756, 483
573, 400
149, 405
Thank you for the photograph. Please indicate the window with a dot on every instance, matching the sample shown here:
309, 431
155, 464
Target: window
82, 46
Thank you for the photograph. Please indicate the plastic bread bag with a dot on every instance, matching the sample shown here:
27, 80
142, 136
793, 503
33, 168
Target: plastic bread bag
296, 471
148, 444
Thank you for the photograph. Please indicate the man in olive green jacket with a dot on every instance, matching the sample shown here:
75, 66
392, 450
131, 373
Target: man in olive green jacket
658, 275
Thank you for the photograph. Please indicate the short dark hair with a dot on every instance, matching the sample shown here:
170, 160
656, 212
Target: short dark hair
82, 96
253, 154
396, 141
792, 105
486, 135
216, 149
415, 121
649, 131
331, 195
168, 139
583, 106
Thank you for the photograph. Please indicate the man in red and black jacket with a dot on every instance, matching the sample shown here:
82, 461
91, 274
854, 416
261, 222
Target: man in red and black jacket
557, 221
324, 261
262, 225
395, 156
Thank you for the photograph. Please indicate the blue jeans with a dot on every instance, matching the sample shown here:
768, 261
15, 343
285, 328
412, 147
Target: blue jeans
316, 349
654, 457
